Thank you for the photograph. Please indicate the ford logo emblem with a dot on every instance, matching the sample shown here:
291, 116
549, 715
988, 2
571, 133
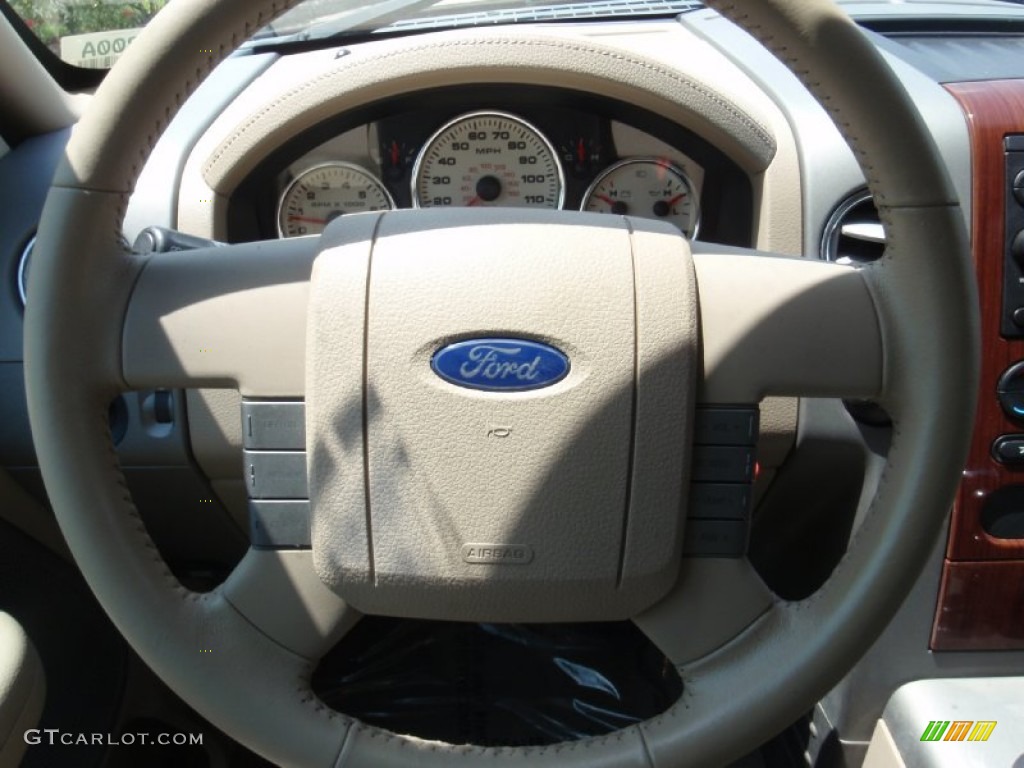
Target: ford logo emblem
500, 365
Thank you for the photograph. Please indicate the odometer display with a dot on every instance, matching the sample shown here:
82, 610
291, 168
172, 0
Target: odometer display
488, 159
322, 193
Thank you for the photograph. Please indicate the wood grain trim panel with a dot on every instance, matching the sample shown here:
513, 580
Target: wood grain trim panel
993, 109
981, 597
981, 607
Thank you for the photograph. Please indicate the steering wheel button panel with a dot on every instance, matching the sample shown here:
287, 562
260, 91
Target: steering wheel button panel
279, 524
584, 474
726, 426
723, 464
274, 425
276, 474
716, 538
719, 501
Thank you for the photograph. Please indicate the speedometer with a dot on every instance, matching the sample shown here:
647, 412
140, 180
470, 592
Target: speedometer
488, 159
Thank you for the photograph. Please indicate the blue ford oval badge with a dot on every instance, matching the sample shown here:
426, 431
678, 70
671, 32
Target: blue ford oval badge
501, 365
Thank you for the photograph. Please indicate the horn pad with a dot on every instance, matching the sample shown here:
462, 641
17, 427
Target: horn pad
498, 413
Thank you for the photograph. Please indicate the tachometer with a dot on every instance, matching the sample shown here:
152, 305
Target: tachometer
648, 187
488, 159
324, 192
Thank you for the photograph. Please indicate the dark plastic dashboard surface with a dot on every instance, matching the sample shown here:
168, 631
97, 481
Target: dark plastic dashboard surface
25, 174
571, 121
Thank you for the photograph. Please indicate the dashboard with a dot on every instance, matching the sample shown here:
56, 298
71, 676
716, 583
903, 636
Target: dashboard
548, 145
503, 145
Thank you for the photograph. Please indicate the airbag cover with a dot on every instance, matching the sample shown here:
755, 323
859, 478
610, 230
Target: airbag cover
457, 468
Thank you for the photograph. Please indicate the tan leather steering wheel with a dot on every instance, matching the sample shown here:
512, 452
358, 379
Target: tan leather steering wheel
102, 321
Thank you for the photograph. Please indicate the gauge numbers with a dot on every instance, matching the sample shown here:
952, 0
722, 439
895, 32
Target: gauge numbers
488, 159
322, 193
646, 187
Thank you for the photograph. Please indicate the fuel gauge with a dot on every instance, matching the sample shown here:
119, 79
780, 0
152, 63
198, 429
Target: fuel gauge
648, 187
396, 159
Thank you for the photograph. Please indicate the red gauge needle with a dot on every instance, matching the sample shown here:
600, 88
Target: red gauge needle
307, 219
675, 199
474, 201
581, 151
605, 199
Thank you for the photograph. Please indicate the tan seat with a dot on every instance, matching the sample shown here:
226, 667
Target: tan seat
22, 689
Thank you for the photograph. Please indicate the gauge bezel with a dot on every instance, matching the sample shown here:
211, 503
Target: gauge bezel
319, 166
414, 184
650, 160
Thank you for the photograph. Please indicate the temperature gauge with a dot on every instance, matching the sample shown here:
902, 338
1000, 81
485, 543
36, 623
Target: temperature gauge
580, 156
646, 187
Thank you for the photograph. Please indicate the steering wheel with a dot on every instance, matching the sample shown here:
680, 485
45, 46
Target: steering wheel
724, 327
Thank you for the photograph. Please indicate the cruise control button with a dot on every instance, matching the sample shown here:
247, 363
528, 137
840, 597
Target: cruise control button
715, 538
276, 474
279, 524
719, 501
276, 425
1009, 449
725, 426
721, 464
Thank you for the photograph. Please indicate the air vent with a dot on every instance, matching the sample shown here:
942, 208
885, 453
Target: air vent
23, 263
854, 233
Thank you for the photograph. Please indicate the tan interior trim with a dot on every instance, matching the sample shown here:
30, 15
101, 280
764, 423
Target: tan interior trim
882, 750
280, 592
640, 69
713, 601
22, 689
32, 96
777, 326
389, 68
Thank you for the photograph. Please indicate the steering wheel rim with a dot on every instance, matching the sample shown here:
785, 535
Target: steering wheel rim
82, 286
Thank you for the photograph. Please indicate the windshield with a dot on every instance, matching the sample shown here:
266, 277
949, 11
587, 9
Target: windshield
86, 33
94, 33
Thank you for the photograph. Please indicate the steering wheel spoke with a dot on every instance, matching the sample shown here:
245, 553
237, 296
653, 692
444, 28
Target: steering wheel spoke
713, 601
279, 592
231, 316
772, 325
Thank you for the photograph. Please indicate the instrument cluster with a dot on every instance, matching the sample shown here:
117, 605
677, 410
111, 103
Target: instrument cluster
556, 157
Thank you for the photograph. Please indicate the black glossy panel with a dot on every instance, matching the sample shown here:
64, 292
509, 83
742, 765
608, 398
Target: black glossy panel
497, 684
1003, 513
